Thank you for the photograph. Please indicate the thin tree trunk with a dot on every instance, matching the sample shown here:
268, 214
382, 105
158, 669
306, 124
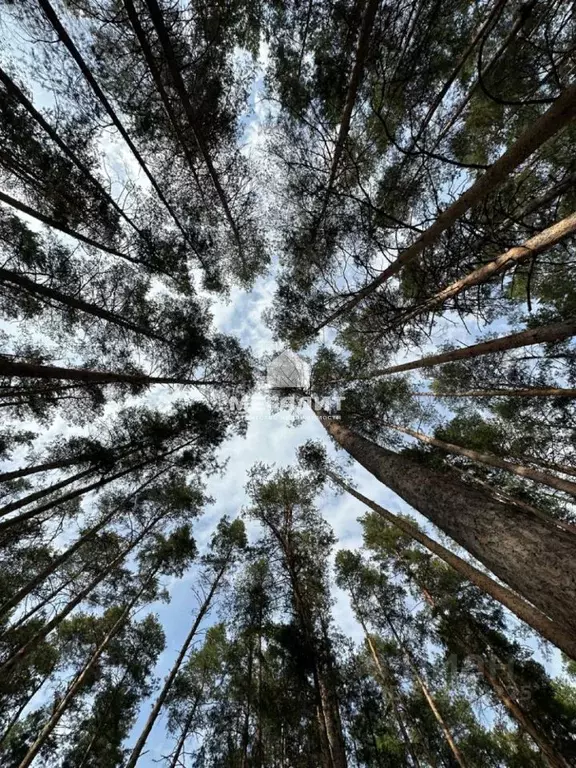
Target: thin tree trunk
19, 655
37, 495
524, 392
458, 756
388, 686
544, 334
62, 227
157, 18
21, 97
534, 559
492, 461
99, 93
185, 732
518, 254
246, 724
22, 707
34, 371
159, 703
80, 679
479, 34
557, 116
20, 280
50, 569
362, 49
485, 667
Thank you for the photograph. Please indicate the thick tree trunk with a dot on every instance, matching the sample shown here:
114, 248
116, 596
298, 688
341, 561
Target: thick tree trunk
544, 334
510, 600
99, 93
558, 115
168, 683
491, 460
535, 559
535, 245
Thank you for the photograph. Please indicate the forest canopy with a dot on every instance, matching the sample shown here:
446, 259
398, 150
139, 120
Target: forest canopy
287, 384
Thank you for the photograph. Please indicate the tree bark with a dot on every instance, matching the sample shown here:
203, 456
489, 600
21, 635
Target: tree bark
99, 93
458, 756
556, 117
491, 460
159, 703
518, 254
544, 334
37, 495
534, 559
510, 600
79, 681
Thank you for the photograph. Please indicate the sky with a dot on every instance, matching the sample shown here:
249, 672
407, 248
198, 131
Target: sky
272, 438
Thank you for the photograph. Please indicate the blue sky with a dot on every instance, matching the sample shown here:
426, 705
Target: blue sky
271, 437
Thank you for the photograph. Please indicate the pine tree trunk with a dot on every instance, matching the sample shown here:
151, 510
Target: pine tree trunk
524, 392
34, 371
16, 474
99, 93
368, 18
21, 97
558, 115
518, 254
23, 652
534, 559
37, 495
159, 703
544, 334
61, 226
458, 756
392, 693
45, 291
79, 680
491, 460
157, 18
185, 732
49, 571
510, 600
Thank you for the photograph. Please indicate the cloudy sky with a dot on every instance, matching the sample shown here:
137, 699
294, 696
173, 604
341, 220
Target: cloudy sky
271, 438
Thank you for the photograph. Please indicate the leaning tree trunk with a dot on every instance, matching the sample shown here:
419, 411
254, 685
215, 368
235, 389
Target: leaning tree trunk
509, 599
491, 460
558, 115
545, 334
518, 254
535, 559
80, 679
169, 682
